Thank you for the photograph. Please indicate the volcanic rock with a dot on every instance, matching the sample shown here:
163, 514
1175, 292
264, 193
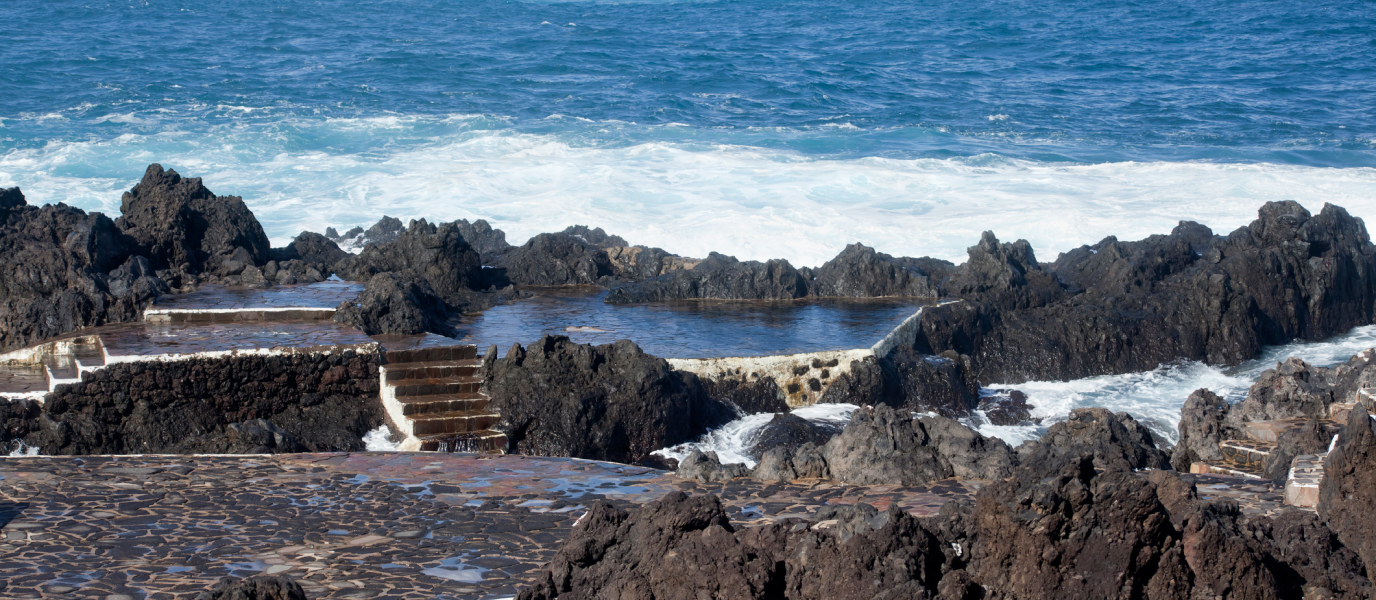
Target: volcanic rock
1116, 441
180, 225
1347, 494
555, 259
905, 379
490, 243
1203, 424
749, 397
787, 430
610, 402
707, 468
258, 587
1120, 307
317, 251
719, 277
64, 270
396, 304
884, 447
860, 272
436, 253
971, 455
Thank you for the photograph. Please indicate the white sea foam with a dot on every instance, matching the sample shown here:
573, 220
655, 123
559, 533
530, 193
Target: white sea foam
379, 440
1155, 397
22, 449
732, 441
752, 202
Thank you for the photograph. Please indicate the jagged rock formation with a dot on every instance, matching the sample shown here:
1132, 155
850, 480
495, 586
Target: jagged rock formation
1347, 495
65, 269
1292, 390
787, 430
1119, 307
179, 225
610, 402
258, 587
885, 447
719, 276
1115, 441
1057, 529
904, 379
861, 272
237, 404
490, 243
393, 304
319, 252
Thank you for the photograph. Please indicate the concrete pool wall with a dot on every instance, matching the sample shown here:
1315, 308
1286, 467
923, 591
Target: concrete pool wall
802, 378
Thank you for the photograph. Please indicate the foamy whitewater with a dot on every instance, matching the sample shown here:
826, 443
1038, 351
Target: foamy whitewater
756, 128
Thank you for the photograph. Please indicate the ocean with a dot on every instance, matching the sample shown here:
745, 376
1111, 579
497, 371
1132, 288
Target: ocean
761, 129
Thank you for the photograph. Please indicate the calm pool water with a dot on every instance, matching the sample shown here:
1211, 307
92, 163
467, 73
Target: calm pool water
691, 329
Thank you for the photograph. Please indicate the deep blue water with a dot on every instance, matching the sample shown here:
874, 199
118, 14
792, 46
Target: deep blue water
759, 128
1285, 82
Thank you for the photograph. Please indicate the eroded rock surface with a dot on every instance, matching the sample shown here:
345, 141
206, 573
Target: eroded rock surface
610, 402
392, 304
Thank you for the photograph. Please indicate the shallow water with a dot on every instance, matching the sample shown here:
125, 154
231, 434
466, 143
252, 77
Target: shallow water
691, 329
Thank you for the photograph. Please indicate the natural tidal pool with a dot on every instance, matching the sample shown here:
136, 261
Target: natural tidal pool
691, 329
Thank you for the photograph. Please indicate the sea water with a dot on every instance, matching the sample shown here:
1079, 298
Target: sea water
757, 128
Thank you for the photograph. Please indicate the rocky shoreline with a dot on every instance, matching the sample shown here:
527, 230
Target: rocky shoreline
1096, 508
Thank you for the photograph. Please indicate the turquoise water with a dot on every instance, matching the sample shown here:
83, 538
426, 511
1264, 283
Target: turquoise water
762, 129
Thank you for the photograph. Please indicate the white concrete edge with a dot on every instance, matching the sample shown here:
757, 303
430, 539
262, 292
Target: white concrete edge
209, 311
370, 348
396, 414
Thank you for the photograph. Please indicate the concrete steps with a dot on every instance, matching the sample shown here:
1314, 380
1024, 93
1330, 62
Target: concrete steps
435, 396
1247, 457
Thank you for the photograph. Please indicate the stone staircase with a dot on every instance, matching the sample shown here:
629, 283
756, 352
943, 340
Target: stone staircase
1247, 457
435, 397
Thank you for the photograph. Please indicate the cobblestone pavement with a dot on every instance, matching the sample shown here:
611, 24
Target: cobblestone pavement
363, 525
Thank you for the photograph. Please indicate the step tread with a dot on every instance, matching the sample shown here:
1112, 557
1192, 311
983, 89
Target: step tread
452, 414
437, 380
481, 433
428, 398
432, 363
1206, 467
1259, 446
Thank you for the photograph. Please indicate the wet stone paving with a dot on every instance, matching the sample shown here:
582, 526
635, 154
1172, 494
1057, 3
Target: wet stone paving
154, 339
362, 525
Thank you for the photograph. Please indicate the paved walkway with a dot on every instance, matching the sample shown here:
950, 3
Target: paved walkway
364, 525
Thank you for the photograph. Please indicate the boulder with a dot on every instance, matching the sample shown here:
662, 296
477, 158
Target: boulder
761, 395
971, 455
1006, 407
610, 402
396, 304
787, 430
908, 380
259, 436
676, 547
554, 259
1116, 441
1312, 438
707, 468
1294, 389
490, 243
317, 251
180, 225
1203, 424
258, 587
884, 447
436, 253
